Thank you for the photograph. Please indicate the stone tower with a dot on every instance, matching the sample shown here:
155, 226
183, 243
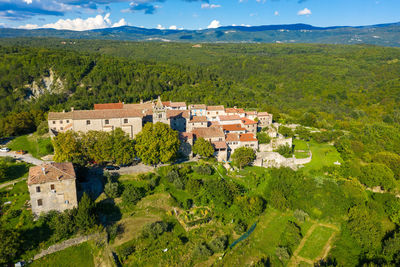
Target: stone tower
159, 112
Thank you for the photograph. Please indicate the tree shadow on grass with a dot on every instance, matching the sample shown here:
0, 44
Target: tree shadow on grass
15, 171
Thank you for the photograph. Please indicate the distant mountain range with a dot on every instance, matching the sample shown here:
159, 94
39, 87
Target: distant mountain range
381, 34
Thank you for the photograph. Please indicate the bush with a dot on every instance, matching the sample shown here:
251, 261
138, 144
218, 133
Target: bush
203, 169
300, 215
219, 244
132, 195
285, 150
282, 254
202, 252
240, 227
155, 229
112, 189
263, 138
172, 176
125, 250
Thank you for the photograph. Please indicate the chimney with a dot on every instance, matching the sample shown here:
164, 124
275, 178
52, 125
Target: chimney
72, 108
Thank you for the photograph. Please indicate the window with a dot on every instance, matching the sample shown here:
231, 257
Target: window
125, 120
52, 187
220, 139
88, 122
106, 121
160, 116
61, 122
66, 202
40, 202
67, 121
37, 189
54, 122
61, 128
217, 112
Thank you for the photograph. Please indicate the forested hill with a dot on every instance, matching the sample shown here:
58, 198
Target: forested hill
331, 84
383, 34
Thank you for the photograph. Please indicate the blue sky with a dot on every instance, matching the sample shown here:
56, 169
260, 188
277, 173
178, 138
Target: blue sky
193, 14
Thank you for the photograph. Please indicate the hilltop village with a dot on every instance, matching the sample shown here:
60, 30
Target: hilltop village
226, 128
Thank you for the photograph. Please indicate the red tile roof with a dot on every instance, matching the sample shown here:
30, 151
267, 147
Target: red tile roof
247, 121
186, 135
229, 117
51, 172
109, 106
214, 108
219, 145
208, 132
234, 110
198, 106
177, 104
231, 137
199, 119
147, 105
251, 112
263, 114
248, 137
233, 127
178, 113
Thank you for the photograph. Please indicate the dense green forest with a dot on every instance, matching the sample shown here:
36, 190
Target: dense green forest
349, 94
329, 84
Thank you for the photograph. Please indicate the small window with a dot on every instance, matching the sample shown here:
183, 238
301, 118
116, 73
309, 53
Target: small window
37, 189
52, 187
67, 121
54, 122
61, 128
160, 116
40, 202
88, 122
107, 122
125, 120
61, 122
217, 112
66, 202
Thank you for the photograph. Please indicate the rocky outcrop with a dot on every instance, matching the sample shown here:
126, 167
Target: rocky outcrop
47, 84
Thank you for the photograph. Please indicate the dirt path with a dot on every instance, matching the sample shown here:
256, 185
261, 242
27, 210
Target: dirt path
326, 248
12, 182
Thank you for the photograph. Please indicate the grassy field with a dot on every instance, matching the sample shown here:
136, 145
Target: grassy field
316, 242
80, 255
15, 170
322, 154
37, 146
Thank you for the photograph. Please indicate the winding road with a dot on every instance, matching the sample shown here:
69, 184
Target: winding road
28, 158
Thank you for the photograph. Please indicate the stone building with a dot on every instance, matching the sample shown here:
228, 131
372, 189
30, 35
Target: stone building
129, 120
212, 112
264, 119
197, 122
52, 186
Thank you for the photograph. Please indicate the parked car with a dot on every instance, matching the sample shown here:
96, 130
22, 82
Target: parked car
111, 168
21, 152
4, 149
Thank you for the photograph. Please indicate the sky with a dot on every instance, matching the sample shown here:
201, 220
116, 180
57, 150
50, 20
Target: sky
193, 14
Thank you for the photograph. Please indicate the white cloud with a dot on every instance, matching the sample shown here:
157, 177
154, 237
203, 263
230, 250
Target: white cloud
120, 23
78, 24
160, 27
276, 13
304, 12
173, 27
28, 1
210, 6
214, 24
29, 26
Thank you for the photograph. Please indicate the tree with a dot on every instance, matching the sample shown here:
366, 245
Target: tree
3, 169
243, 156
63, 224
392, 160
285, 150
85, 217
97, 146
123, 147
203, 148
9, 245
303, 133
111, 189
68, 148
132, 195
377, 174
286, 131
263, 138
157, 143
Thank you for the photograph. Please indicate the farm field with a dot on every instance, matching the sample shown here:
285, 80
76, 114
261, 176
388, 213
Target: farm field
316, 242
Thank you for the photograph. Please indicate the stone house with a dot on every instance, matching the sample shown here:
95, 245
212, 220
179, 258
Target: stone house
178, 119
249, 125
229, 119
233, 128
264, 119
214, 111
52, 186
130, 121
217, 138
174, 105
235, 111
198, 110
197, 122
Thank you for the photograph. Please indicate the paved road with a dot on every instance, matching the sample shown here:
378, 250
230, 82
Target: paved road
27, 157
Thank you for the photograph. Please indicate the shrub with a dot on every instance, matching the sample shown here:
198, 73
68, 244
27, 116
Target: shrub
125, 250
155, 229
243, 156
201, 251
112, 189
203, 169
282, 254
172, 176
132, 195
219, 244
300, 215
263, 138
285, 150
240, 227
